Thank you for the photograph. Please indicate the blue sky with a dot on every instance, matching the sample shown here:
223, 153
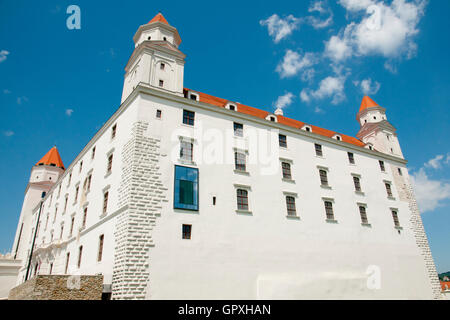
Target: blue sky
316, 59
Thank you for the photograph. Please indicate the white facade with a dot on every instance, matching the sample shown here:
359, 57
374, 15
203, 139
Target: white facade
256, 253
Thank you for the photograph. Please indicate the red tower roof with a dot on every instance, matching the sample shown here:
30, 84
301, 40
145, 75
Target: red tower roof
159, 17
367, 102
52, 158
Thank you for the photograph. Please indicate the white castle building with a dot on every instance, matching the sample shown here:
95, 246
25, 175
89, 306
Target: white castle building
183, 195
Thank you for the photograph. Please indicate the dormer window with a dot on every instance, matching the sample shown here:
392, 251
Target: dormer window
337, 137
165, 39
162, 65
306, 128
193, 96
272, 118
232, 107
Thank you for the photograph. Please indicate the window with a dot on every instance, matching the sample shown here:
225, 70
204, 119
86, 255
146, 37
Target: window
290, 205
158, 114
67, 262
363, 214
357, 183
382, 165
161, 83
186, 150
286, 169
100, 248
80, 253
193, 97
399, 171
62, 231
186, 231
388, 189
188, 117
239, 161
149, 38
164, 38
186, 188
81, 165
329, 210
308, 129
65, 203
76, 193
214, 201
395, 218
161, 66
105, 202
323, 177
59, 190
51, 268
93, 153
109, 166
338, 138
238, 129
43, 194
72, 222
272, 119
351, 158
233, 108
89, 179
242, 199
282, 140
83, 225
318, 148
70, 178
113, 131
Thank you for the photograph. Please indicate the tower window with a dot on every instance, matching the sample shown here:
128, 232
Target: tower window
186, 150
105, 202
286, 169
382, 165
388, 189
395, 218
149, 38
239, 161
162, 65
110, 161
238, 129
188, 117
161, 83
93, 153
290, 205
329, 210
214, 201
318, 148
363, 214
282, 140
242, 199
400, 171
351, 158
113, 131
80, 253
165, 39
323, 177
67, 262
186, 231
158, 114
186, 188
357, 183
83, 225
100, 248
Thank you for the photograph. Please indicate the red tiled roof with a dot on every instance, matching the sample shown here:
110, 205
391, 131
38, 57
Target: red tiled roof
367, 102
52, 157
219, 102
159, 17
445, 285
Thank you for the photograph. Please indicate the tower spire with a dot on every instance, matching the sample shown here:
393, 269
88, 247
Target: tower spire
159, 18
51, 158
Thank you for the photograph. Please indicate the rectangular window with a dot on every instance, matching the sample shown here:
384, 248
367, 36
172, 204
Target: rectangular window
70, 178
286, 168
80, 253
363, 214
83, 225
399, 171
51, 268
113, 131
100, 248
351, 158
105, 202
161, 83
67, 262
71, 226
81, 165
162, 65
357, 184
110, 161
193, 97
242, 199
282, 140
323, 177
290, 204
382, 165
186, 188
318, 148
186, 231
186, 150
329, 210
388, 189
188, 117
395, 217
65, 203
76, 193
158, 114
62, 231
239, 161
93, 153
238, 129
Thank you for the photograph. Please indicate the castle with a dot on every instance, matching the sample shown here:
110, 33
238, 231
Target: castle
183, 195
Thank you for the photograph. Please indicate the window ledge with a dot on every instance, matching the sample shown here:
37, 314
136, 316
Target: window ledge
103, 215
242, 172
331, 220
188, 125
368, 225
352, 164
246, 212
284, 148
320, 157
288, 180
188, 162
398, 228
391, 198
325, 186
360, 193
107, 174
293, 217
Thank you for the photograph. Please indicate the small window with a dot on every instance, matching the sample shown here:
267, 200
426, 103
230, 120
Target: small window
161, 83
400, 171
363, 214
158, 114
186, 231
186, 188
72, 222
100, 248
214, 201
272, 118
388, 189
110, 161
286, 169
186, 149
164, 38
149, 38
239, 161
193, 97
113, 131
242, 199
282, 140
374, 118
162, 66
238, 129
338, 138
93, 153
51, 268
67, 262
188, 117
308, 129
370, 148
232, 107
382, 165
290, 205
351, 158
329, 210
395, 218
80, 254
70, 178
81, 166
357, 183
323, 177
61, 231
105, 202
318, 148
83, 225
43, 194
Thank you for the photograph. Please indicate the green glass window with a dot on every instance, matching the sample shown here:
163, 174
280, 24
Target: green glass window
186, 188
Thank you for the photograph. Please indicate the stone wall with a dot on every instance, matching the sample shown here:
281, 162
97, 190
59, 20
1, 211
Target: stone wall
59, 287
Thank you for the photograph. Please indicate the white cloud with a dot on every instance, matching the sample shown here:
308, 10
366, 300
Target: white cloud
8, 133
21, 100
338, 48
3, 55
430, 194
69, 112
320, 7
328, 87
368, 86
284, 100
436, 162
280, 28
6, 91
293, 62
308, 75
355, 5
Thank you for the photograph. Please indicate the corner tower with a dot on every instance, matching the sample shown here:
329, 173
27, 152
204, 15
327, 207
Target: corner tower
375, 130
156, 61
43, 176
